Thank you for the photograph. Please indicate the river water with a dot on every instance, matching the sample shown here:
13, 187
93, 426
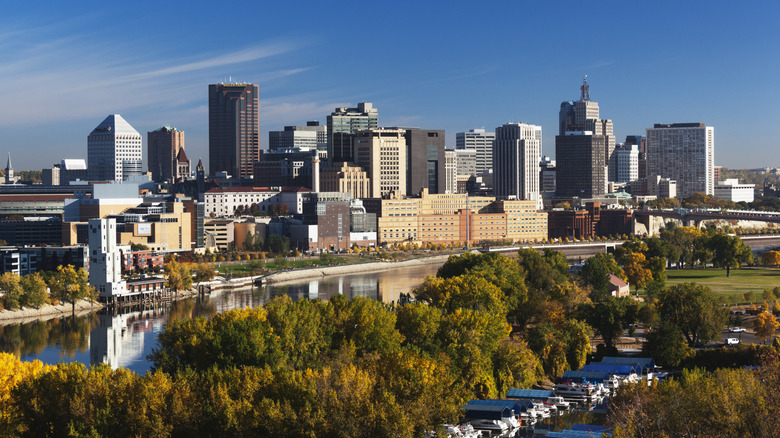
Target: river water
124, 338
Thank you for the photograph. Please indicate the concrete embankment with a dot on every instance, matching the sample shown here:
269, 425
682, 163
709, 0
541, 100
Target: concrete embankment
303, 274
29, 314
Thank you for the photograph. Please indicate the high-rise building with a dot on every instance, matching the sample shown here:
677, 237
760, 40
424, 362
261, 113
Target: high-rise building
310, 136
684, 152
450, 171
162, 146
343, 123
466, 161
382, 153
105, 263
480, 141
114, 150
517, 151
424, 160
641, 142
627, 162
233, 129
584, 148
547, 175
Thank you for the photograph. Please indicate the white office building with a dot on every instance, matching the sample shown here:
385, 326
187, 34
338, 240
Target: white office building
450, 171
732, 190
114, 150
627, 160
482, 143
517, 150
105, 259
684, 152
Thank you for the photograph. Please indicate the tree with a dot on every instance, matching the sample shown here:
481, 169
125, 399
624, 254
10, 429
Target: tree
277, 244
595, 272
12, 290
765, 325
694, 310
636, 269
771, 258
204, 272
609, 316
70, 284
178, 275
34, 290
729, 252
667, 346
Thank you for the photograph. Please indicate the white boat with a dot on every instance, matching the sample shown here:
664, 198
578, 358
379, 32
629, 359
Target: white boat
452, 431
512, 422
491, 425
559, 403
583, 391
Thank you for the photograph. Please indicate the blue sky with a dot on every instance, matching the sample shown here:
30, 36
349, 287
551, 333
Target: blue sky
444, 65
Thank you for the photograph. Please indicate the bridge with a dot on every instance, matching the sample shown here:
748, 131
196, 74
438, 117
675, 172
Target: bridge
697, 215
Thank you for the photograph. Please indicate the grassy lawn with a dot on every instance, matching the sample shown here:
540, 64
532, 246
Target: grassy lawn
741, 281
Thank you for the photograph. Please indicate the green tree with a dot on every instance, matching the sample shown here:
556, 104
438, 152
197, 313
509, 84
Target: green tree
419, 324
277, 244
35, 293
609, 317
667, 346
729, 252
595, 272
694, 310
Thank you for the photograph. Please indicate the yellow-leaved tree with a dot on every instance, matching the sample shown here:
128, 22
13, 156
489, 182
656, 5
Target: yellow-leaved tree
12, 372
765, 325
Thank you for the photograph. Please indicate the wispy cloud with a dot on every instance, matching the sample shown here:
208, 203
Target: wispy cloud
54, 80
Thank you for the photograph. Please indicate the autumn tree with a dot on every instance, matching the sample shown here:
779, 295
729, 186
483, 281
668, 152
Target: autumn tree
666, 345
609, 317
178, 275
71, 285
637, 270
771, 258
34, 290
204, 272
12, 290
765, 325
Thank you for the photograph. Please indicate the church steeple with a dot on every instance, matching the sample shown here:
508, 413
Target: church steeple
9, 171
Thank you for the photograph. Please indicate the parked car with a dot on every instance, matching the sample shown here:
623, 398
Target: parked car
732, 341
736, 330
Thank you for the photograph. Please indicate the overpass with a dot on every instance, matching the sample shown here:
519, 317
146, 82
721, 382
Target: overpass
694, 217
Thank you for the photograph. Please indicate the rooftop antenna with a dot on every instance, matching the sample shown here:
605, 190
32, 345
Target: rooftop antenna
585, 89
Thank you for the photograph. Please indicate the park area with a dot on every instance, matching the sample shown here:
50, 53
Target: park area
750, 281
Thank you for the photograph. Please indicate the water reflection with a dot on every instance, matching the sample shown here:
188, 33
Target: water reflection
125, 337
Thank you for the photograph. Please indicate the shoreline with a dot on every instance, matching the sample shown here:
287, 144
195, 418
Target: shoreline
47, 312
303, 274
83, 307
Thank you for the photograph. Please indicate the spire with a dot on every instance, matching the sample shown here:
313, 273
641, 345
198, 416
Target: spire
9, 166
585, 89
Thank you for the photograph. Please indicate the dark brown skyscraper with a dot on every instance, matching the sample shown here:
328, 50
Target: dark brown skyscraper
233, 129
163, 147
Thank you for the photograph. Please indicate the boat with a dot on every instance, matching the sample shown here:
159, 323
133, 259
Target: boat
584, 391
491, 425
451, 431
559, 403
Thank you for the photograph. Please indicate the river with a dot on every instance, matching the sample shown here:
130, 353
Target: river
124, 338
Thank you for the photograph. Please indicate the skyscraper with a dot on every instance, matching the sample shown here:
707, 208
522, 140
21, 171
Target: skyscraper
480, 141
584, 148
517, 151
684, 152
382, 153
114, 150
233, 129
343, 123
162, 146
424, 160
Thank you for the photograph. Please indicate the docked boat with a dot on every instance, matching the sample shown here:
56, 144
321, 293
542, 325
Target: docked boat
577, 391
491, 425
559, 403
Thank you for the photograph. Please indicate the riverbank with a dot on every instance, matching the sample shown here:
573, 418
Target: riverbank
303, 274
30, 314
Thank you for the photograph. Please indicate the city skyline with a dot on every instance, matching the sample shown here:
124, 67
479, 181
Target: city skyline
67, 69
